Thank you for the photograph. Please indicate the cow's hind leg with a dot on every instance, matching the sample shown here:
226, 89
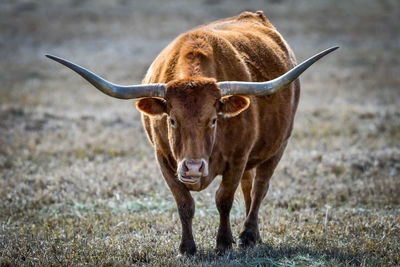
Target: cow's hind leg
246, 184
250, 233
224, 200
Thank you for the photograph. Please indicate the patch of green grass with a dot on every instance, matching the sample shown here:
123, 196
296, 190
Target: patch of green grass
148, 231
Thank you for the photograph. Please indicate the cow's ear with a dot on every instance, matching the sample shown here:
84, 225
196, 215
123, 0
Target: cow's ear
232, 105
151, 106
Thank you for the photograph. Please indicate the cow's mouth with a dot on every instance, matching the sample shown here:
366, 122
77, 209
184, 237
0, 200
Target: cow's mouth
189, 179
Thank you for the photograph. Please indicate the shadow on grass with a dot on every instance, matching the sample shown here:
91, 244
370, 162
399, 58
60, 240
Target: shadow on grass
306, 254
266, 255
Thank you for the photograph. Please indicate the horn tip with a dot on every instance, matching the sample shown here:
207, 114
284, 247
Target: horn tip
59, 60
333, 48
51, 57
327, 51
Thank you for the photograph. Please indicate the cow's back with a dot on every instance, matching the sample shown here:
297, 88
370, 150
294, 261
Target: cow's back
245, 47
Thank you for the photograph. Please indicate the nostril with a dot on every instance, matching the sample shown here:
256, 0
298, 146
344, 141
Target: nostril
201, 169
185, 167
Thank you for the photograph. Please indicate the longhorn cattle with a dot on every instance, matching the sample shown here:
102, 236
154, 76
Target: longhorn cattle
218, 100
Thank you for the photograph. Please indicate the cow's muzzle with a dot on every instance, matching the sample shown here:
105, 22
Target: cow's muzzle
191, 170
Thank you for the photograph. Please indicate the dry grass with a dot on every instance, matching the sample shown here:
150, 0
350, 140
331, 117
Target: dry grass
78, 181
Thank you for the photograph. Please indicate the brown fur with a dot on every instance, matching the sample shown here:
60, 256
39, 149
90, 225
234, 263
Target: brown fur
248, 139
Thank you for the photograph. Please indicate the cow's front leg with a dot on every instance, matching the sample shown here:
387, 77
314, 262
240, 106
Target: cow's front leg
224, 200
185, 204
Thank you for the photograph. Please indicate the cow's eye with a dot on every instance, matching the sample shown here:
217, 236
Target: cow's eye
172, 122
213, 122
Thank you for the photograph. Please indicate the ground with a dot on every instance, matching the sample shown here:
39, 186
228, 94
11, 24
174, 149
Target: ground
79, 184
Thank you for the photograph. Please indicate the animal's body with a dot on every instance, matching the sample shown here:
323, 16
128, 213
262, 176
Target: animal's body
248, 146
201, 126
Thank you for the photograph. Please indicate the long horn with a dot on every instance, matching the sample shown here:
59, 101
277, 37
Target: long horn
272, 86
114, 90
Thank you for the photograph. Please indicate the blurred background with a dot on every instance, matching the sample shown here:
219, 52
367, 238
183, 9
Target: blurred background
63, 143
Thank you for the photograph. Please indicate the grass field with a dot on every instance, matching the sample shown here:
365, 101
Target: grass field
79, 184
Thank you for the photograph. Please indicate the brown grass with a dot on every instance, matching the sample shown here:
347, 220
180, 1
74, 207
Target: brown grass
78, 181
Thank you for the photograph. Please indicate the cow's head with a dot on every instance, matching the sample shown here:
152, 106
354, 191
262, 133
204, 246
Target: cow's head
192, 106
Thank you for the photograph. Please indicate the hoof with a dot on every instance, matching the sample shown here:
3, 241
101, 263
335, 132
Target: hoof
220, 251
223, 246
247, 240
187, 249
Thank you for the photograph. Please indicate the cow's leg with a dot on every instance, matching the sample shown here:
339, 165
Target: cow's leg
224, 200
246, 184
250, 233
185, 204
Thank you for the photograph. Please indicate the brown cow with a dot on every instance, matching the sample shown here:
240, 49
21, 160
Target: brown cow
208, 111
